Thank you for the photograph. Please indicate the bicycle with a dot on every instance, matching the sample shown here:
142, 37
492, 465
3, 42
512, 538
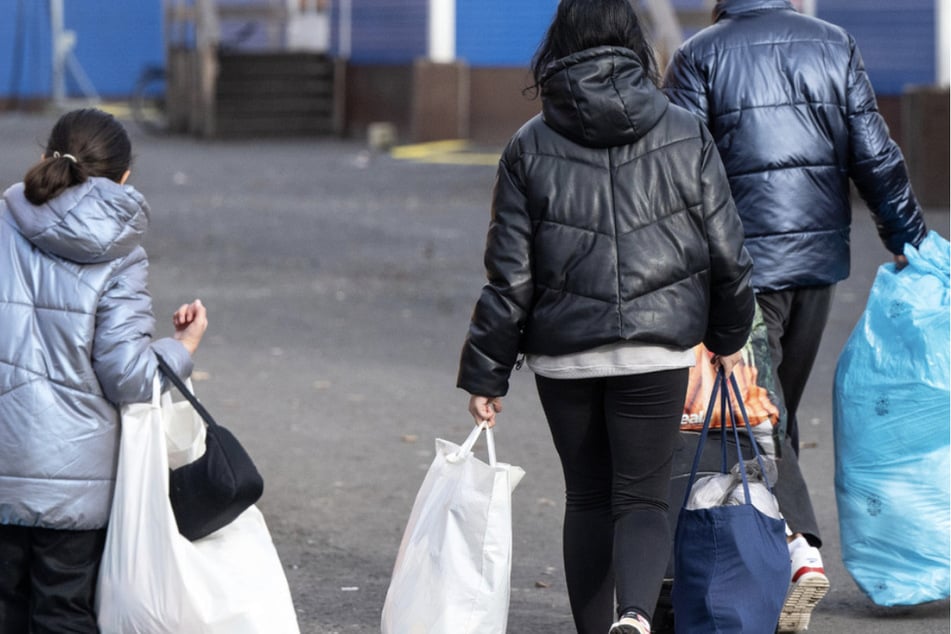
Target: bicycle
148, 101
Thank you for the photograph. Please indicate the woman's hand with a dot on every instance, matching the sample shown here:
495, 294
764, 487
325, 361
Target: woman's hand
727, 362
191, 321
484, 409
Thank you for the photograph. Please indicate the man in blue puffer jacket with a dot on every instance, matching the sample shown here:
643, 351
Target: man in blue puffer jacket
795, 119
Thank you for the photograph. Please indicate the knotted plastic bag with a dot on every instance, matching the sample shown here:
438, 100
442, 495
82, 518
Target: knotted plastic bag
891, 422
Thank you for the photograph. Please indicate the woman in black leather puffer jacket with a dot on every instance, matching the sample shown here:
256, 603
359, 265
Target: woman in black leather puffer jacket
614, 248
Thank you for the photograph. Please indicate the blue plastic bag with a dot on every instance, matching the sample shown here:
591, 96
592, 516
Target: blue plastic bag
892, 413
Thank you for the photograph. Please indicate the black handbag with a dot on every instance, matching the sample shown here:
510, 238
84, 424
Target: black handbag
212, 491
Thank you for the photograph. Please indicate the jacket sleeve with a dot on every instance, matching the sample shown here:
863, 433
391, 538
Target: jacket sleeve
876, 164
732, 302
685, 86
123, 351
492, 344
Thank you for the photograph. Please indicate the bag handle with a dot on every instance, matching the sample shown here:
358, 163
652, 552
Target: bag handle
721, 388
170, 374
704, 431
926, 258
726, 405
470, 441
749, 431
156, 390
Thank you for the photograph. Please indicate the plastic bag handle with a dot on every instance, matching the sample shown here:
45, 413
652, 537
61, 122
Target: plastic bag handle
470, 441
156, 390
923, 263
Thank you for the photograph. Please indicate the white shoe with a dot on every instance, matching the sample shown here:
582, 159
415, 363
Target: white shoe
807, 586
631, 623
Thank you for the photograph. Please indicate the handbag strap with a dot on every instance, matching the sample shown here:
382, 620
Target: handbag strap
721, 388
170, 374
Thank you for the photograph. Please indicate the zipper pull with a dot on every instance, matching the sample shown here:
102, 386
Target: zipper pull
519, 362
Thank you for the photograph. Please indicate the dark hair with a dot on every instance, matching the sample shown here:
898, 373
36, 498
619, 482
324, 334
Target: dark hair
584, 24
96, 145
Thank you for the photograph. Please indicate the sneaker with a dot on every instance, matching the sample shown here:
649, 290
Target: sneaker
631, 623
807, 586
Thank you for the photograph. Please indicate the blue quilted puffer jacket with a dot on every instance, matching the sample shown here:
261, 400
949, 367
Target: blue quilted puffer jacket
794, 116
76, 331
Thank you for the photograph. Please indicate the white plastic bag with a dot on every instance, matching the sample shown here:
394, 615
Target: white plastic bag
184, 430
726, 489
453, 570
154, 581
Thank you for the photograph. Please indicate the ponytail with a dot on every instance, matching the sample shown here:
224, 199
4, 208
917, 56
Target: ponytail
50, 177
84, 143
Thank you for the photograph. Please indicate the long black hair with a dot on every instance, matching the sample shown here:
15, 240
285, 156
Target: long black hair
83, 143
583, 24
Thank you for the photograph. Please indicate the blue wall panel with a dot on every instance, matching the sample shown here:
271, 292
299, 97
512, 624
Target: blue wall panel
115, 40
118, 38
896, 38
24, 49
388, 31
501, 32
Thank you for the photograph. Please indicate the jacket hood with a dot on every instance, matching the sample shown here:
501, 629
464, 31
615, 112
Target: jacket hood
96, 221
601, 97
732, 7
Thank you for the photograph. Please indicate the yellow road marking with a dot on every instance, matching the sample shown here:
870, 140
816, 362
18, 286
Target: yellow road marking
422, 150
448, 152
490, 160
118, 109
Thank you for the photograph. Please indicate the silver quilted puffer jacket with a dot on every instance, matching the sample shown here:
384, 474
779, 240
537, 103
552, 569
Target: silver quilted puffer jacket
76, 330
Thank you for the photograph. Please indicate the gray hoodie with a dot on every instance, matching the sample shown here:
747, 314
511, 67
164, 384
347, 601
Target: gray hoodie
76, 330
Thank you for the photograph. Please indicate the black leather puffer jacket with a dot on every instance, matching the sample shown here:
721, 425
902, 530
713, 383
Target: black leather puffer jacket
612, 220
789, 103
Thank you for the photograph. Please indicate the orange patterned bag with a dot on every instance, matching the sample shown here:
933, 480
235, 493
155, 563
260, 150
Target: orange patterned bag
754, 374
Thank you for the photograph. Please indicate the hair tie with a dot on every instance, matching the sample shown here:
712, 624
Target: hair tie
72, 158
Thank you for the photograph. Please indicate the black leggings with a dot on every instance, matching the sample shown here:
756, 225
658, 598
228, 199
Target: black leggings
615, 437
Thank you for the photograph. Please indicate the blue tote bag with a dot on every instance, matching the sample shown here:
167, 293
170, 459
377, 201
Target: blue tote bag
731, 563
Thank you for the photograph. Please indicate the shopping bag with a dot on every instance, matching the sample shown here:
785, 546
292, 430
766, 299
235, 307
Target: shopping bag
891, 428
731, 563
212, 490
184, 430
759, 387
453, 569
152, 580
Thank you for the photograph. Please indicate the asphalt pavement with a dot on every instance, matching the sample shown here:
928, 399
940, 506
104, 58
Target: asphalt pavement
339, 284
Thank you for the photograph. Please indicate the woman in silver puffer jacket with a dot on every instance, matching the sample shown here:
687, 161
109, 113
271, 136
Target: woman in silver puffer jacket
76, 342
